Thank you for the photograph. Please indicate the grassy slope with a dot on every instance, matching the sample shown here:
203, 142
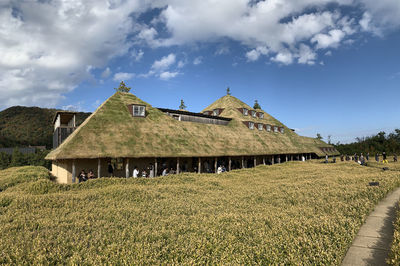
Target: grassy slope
289, 213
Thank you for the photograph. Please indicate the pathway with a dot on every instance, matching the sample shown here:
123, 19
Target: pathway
372, 243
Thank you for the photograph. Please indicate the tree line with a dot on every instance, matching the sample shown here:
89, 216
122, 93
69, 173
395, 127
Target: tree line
381, 142
17, 158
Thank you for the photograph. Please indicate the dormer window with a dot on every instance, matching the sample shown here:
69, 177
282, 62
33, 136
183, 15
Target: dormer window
139, 110
282, 130
245, 111
275, 129
215, 112
251, 125
268, 128
261, 115
253, 113
260, 126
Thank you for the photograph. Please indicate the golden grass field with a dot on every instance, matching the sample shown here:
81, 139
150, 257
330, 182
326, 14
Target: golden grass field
292, 213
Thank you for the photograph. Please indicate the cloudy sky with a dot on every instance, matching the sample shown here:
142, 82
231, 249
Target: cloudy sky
324, 66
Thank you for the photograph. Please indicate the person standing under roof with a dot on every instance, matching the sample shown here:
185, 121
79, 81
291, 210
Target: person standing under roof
165, 172
110, 169
135, 172
82, 176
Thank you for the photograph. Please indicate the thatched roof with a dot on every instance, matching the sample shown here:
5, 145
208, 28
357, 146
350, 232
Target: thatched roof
111, 131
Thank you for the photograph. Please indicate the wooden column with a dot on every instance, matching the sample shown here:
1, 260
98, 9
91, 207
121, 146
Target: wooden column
99, 167
73, 171
216, 164
127, 168
230, 164
291, 157
263, 160
242, 161
199, 169
279, 159
273, 159
286, 158
177, 165
155, 167
255, 161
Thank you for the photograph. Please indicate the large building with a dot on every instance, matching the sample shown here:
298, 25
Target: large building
127, 132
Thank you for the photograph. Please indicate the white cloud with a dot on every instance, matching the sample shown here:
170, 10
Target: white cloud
222, 50
47, 46
198, 60
254, 54
106, 73
164, 63
181, 63
306, 55
137, 55
123, 76
160, 68
330, 40
285, 58
329, 53
168, 75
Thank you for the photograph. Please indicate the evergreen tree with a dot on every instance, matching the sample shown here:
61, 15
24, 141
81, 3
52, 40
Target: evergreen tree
4, 160
122, 87
17, 158
228, 91
319, 136
256, 105
182, 106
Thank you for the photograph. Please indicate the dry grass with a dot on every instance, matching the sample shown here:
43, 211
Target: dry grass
293, 213
112, 132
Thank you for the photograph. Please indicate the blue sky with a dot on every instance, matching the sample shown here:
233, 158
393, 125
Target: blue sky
329, 67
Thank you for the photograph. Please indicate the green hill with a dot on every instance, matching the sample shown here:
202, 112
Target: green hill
23, 126
288, 214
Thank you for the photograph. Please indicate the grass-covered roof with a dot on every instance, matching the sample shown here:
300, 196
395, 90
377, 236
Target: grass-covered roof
111, 131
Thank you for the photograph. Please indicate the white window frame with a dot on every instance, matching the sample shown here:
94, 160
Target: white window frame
215, 112
245, 111
253, 113
261, 115
138, 110
251, 125
260, 127
282, 130
276, 129
269, 128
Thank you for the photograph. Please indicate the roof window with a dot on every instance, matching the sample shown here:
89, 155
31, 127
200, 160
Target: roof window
139, 110
245, 111
276, 129
282, 130
215, 112
268, 127
253, 113
260, 126
251, 125
261, 115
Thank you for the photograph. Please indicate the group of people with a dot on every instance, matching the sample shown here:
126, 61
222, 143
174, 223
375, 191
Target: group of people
83, 176
362, 160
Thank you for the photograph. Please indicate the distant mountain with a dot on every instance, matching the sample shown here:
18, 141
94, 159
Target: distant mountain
23, 126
